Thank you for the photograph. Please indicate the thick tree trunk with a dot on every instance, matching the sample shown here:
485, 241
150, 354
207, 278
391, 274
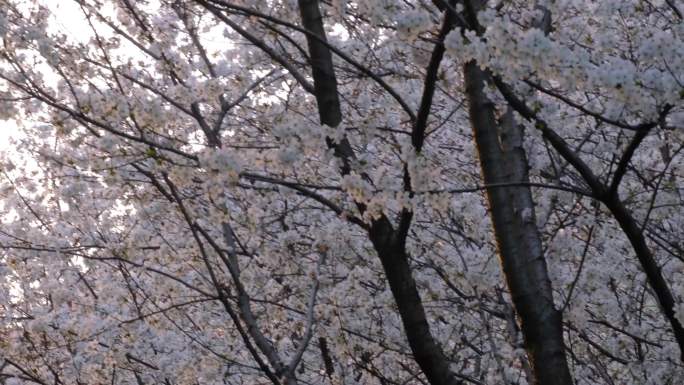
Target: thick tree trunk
503, 160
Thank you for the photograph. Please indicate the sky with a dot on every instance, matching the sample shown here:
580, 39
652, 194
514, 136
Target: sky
69, 19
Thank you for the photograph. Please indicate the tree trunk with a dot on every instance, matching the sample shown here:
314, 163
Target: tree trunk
503, 160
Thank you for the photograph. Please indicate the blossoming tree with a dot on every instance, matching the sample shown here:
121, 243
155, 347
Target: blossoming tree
342, 192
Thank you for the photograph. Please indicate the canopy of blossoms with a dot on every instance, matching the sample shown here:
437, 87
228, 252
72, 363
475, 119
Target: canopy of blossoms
342, 192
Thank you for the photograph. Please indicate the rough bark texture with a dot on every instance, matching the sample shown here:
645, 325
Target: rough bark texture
503, 160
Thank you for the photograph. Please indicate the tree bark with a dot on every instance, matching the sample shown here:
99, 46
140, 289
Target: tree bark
503, 160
